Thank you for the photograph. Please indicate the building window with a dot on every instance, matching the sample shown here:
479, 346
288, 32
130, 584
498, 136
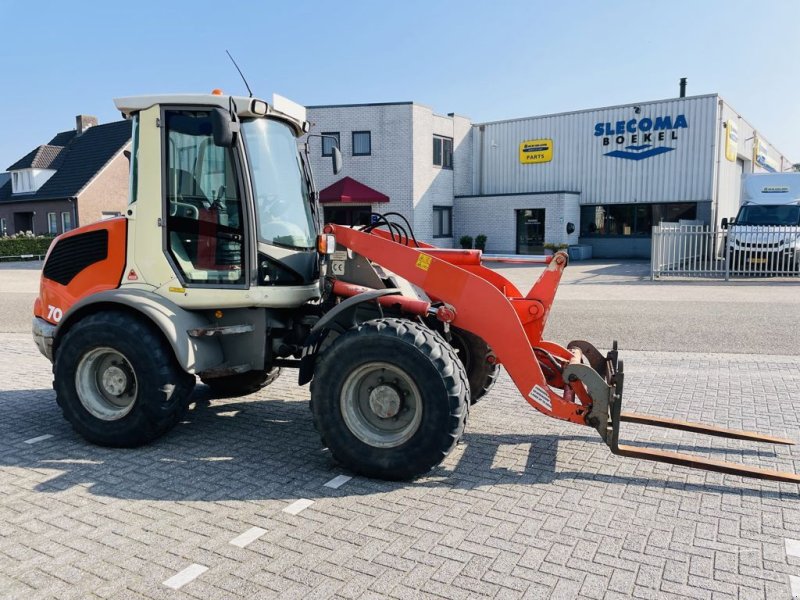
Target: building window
632, 219
329, 140
66, 221
362, 143
442, 221
52, 223
3, 230
443, 152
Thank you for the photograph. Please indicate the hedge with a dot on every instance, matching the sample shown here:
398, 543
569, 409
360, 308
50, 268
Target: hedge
21, 245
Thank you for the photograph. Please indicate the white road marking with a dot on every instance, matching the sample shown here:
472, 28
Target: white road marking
794, 584
249, 536
338, 481
792, 547
41, 438
190, 573
228, 413
298, 506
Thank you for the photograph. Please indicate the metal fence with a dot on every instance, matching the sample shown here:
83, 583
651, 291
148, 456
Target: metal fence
690, 250
20, 257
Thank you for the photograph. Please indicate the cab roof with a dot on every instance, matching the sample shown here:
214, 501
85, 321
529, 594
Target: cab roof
244, 106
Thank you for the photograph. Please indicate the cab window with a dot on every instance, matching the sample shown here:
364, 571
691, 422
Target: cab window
205, 232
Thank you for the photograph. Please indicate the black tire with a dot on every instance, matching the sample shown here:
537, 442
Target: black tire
156, 389
243, 384
406, 352
473, 353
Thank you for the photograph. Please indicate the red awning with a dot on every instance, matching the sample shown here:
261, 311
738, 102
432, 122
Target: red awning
351, 191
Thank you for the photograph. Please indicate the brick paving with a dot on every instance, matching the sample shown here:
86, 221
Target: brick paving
525, 507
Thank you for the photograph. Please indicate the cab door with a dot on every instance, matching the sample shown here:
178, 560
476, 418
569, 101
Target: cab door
203, 203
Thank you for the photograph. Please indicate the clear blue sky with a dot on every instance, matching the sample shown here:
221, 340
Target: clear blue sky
485, 60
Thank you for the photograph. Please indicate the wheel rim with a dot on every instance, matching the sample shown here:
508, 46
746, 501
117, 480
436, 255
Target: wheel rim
106, 384
381, 405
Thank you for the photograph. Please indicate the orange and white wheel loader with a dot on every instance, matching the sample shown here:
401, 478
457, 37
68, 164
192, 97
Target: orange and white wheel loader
221, 269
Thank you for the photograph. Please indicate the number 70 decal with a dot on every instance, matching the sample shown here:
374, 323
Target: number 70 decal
54, 313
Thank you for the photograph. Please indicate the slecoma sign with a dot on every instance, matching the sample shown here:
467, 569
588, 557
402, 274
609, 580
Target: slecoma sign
639, 136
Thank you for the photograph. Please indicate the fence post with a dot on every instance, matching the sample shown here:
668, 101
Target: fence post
653, 245
727, 257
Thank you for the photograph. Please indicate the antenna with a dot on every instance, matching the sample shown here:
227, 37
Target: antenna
240, 73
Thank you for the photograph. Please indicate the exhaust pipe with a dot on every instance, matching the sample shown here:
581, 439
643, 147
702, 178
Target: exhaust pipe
683, 87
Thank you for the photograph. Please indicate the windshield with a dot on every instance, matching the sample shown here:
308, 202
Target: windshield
283, 210
769, 214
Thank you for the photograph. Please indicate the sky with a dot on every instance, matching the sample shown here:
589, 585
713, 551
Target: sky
484, 60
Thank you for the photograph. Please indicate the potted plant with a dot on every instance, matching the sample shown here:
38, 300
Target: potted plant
480, 242
466, 242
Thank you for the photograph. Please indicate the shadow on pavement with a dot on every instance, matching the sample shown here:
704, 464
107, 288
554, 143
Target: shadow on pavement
268, 449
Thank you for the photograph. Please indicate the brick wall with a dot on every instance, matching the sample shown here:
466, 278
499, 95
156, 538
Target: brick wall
387, 169
40, 218
495, 217
401, 165
107, 192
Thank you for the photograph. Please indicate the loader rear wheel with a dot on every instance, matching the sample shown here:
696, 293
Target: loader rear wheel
117, 381
473, 353
390, 399
243, 384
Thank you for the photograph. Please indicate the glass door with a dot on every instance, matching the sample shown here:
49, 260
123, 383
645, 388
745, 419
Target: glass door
530, 231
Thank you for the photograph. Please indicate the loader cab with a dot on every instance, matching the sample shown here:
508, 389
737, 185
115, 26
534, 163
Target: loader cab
236, 210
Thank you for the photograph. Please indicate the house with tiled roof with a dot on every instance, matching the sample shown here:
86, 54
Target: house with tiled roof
78, 177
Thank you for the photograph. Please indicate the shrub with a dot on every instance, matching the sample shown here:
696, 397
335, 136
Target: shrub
556, 247
480, 242
466, 242
20, 244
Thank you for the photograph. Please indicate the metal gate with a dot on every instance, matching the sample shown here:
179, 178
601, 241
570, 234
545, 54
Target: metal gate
689, 250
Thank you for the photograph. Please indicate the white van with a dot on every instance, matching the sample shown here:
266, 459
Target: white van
765, 235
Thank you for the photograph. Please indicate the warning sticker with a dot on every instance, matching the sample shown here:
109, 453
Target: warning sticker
541, 397
339, 255
337, 266
424, 262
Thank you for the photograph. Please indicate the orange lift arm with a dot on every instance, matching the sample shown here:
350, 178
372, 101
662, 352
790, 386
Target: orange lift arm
554, 380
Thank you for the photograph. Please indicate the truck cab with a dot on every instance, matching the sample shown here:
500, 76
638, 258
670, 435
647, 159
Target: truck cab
765, 234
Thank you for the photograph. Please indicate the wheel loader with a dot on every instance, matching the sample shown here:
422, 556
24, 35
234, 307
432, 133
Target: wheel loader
221, 269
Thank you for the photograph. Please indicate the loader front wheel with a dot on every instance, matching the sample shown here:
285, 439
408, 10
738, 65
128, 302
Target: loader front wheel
118, 382
473, 353
390, 399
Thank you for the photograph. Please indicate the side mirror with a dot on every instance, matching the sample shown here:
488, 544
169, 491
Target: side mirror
724, 223
221, 128
336, 157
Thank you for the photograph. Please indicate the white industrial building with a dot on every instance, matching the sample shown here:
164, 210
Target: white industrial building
598, 177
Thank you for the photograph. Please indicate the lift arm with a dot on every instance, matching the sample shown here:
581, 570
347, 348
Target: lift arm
554, 380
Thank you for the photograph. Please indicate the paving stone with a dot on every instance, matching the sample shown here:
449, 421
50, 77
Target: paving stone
525, 507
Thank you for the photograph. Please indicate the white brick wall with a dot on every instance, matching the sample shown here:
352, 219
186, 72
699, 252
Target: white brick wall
433, 186
387, 169
401, 165
495, 217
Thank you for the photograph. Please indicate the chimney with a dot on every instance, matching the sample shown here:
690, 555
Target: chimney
683, 87
83, 122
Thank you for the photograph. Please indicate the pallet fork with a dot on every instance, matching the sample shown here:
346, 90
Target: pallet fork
574, 383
